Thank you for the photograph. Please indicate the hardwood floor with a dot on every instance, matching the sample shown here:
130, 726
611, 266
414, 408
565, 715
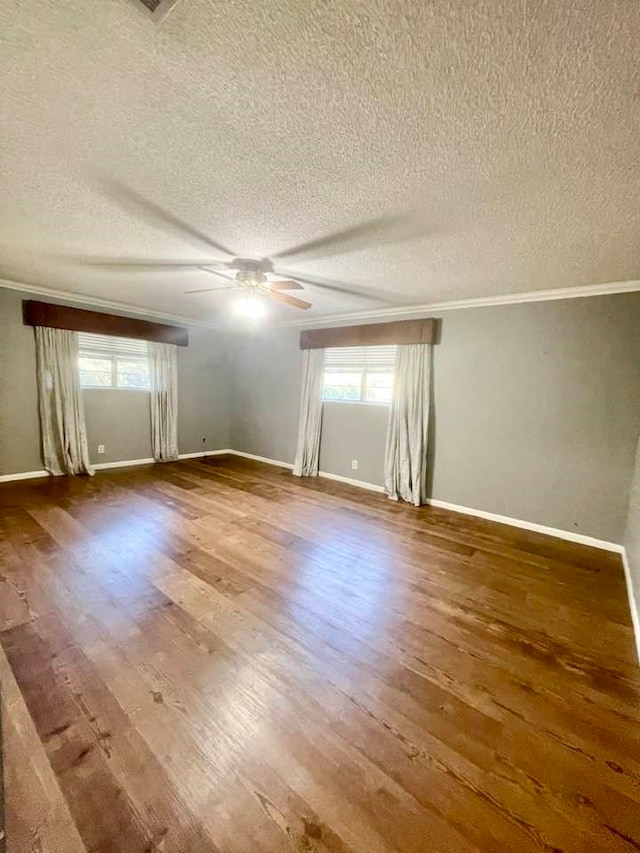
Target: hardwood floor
218, 657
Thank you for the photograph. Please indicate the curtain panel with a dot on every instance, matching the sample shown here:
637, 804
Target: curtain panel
310, 424
405, 464
163, 372
62, 425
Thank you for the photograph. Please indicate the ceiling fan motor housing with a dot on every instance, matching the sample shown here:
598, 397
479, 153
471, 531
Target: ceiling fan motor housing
250, 272
250, 278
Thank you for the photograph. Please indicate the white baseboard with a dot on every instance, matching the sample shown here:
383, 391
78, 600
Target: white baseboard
127, 463
24, 475
360, 484
260, 458
558, 532
633, 605
206, 453
124, 463
103, 466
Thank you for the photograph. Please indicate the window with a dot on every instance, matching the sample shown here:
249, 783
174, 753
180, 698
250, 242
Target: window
361, 374
108, 362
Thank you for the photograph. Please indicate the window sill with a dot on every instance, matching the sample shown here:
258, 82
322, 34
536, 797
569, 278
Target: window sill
358, 403
113, 388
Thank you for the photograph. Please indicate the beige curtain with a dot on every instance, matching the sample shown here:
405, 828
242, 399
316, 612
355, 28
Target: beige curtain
163, 371
405, 464
310, 424
64, 436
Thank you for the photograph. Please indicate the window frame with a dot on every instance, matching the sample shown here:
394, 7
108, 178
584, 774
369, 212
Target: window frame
363, 370
114, 356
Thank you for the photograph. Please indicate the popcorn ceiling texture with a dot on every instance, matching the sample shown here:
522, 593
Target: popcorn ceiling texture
512, 126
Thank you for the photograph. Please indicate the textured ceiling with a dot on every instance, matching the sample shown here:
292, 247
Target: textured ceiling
508, 129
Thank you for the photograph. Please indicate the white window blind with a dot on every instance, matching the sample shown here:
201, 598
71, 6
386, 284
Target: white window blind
359, 358
109, 362
111, 345
359, 374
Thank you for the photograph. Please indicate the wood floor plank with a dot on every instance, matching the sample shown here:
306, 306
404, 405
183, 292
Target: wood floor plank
37, 816
216, 656
76, 752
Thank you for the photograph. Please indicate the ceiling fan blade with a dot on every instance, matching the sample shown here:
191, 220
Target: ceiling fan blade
216, 272
284, 285
212, 289
134, 202
376, 232
339, 287
146, 266
289, 300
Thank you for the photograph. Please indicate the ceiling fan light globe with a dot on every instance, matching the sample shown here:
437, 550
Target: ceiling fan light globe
249, 307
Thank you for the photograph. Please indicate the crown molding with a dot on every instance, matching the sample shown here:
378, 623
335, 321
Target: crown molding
103, 303
410, 311
397, 312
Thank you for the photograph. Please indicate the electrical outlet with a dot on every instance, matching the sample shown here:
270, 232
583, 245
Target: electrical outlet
354, 464
101, 448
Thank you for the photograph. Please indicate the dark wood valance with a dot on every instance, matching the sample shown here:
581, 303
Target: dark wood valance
371, 334
79, 320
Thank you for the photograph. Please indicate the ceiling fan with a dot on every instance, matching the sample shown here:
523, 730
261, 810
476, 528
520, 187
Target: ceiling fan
255, 276
251, 278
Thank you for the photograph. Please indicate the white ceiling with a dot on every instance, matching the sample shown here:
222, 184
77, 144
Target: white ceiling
506, 130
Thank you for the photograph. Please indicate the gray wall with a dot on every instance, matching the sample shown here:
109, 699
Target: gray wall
632, 536
116, 418
19, 427
120, 420
204, 393
536, 411
354, 431
265, 383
